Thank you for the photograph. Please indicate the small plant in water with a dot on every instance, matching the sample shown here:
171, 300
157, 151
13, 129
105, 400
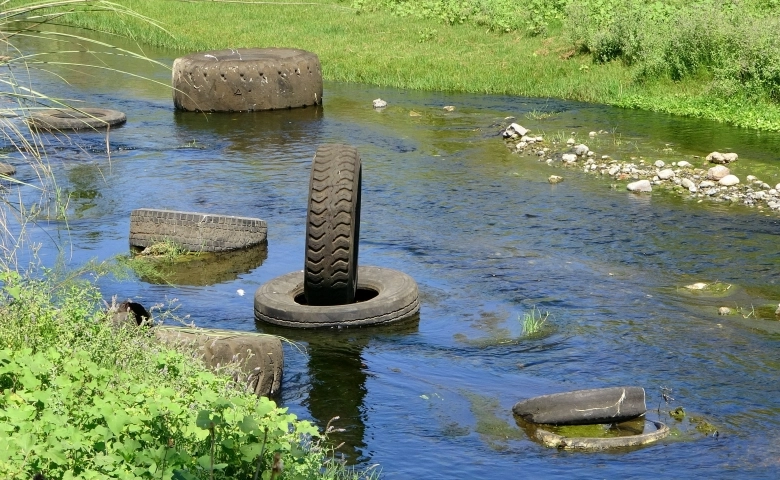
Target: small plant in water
534, 321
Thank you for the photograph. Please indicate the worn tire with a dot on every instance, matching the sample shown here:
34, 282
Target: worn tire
583, 407
196, 232
260, 357
333, 226
397, 299
247, 79
76, 119
554, 440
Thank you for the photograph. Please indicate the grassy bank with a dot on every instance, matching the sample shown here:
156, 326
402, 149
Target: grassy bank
656, 57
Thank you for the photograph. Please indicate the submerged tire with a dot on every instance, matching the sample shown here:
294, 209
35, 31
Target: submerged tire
333, 226
76, 119
247, 79
195, 232
554, 440
392, 296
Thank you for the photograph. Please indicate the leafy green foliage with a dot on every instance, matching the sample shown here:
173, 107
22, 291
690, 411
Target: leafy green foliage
81, 398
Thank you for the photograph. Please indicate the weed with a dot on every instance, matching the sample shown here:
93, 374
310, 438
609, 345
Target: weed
534, 321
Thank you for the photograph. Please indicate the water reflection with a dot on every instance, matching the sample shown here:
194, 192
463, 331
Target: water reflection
337, 379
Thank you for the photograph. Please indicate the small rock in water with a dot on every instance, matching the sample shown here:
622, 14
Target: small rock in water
379, 103
777, 312
730, 157
581, 149
696, 286
555, 179
640, 186
724, 311
716, 157
683, 164
659, 164
449, 108
729, 180
716, 173
666, 174
569, 157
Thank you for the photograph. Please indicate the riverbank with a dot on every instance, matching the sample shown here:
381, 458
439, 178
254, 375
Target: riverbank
423, 53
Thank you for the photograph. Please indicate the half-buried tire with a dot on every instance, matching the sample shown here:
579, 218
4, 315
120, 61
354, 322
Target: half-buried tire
384, 296
333, 226
76, 119
247, 80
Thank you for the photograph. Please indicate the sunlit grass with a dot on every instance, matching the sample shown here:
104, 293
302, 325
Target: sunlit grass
534, 321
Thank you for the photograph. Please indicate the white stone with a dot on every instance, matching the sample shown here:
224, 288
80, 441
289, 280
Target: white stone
688, 183
659, 164
683, 164
729, 180
539, 138
716, 157
569, 157
718, 172
750, 178
592, 134
527, 139
379, 103
613, 170
518, 129
581, 149
590, 154
605, 157
570, 141
730, 157
640, 186
724, 311
666, 174
555, 179
707, 184
521, 145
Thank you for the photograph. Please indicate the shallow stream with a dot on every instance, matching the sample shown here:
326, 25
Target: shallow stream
488, 239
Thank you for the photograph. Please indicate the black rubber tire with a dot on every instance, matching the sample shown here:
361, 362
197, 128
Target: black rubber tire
397, 299
333, 226
76, 119
247, 79
584, 407
196, 232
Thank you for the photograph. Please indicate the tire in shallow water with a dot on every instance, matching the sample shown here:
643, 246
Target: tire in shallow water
554, 440
384, 296
333, 226
195, 232
76, 119
583, 407
247, 79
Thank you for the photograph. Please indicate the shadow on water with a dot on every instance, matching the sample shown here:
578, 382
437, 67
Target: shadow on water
337, 379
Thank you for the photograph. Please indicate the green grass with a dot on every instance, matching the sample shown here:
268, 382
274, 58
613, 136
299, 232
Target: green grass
435, 52
534, 321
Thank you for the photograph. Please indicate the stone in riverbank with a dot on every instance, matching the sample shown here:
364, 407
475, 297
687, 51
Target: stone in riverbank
640, 186
722, 158
728, 181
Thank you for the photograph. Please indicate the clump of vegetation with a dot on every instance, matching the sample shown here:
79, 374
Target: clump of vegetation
534, 321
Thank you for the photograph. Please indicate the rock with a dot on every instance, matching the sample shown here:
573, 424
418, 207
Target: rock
570, 141
555, 179
613, 170
696, 286
379, 103
527, 139
515, 130
729, 180
730, 157
707, 184
539, 139
412, 113
521, 145
683, 164
716, 157
751, 178
6, 169
259, 358
777, 312
659, 164
640, 186
592, 134
777, 187
724, 311
581, 149
688, 183
569, 157
716, 173
666, 174
449, 108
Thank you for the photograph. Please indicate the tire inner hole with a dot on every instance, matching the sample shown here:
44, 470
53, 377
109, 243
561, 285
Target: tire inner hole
363, 294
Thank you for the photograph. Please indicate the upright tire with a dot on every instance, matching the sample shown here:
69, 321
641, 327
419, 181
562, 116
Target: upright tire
333, 226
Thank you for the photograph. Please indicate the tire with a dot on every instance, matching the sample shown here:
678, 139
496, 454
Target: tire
76, 119
584, 407
554, 440
333, 226
245, 80
196, 232
260, 357
396, 299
